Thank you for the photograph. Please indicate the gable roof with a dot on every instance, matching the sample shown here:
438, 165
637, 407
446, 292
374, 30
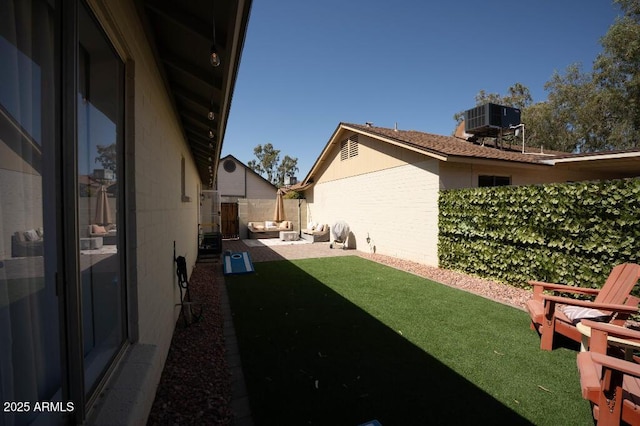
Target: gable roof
249, 169
451, 148
447, 146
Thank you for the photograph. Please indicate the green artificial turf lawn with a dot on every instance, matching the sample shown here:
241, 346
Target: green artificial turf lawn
345, 340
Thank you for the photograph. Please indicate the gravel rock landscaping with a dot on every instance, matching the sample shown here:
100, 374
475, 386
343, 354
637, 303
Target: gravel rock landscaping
195, 387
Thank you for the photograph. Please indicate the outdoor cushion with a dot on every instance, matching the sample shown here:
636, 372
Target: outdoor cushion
31, 235
98, 229
577, 313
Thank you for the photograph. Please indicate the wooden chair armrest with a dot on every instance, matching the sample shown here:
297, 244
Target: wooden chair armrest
626, 367
627, 309
564, 288
613, 330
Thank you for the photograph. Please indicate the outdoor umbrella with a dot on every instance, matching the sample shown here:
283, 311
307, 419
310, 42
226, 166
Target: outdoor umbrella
103, 212
278, 214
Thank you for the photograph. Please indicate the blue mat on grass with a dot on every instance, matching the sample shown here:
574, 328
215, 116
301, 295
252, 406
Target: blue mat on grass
237, 263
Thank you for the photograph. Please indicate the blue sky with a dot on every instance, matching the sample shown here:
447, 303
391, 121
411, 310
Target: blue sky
307, 66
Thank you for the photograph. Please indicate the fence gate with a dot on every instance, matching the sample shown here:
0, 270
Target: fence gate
230, 222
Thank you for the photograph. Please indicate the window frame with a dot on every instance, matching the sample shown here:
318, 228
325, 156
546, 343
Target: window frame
68, 276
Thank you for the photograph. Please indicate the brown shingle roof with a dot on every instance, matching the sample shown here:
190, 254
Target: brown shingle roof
449, 145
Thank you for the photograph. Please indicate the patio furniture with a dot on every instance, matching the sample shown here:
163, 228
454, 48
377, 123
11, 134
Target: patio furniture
340, 231
92, 243
315, 232
27, 243
288, 236
551, 314
268, 229
109, 233
611, 384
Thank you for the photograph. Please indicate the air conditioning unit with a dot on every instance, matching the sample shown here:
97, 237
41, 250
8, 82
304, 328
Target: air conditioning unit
103, 174
489, 119
290, 180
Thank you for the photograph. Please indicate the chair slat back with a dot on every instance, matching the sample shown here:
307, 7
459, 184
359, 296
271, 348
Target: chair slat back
619, 284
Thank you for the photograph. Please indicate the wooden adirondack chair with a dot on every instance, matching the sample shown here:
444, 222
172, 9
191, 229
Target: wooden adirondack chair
614, 300
611, 384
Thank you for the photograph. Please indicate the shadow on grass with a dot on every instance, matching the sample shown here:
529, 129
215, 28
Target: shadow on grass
310, 356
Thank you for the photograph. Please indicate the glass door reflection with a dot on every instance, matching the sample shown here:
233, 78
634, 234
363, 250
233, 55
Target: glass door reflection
100, 129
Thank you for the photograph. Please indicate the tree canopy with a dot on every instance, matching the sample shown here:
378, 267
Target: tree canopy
268, 164
587, 111
107, 157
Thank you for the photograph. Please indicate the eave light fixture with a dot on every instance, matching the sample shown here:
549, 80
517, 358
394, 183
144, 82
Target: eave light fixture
214, 58
211, 135
211, 116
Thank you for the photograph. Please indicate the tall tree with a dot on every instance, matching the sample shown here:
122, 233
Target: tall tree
587, 111
287, 168
107, 157
268, 164
267, 161
617, 74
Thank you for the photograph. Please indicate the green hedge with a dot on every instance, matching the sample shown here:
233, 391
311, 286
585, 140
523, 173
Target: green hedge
567, 233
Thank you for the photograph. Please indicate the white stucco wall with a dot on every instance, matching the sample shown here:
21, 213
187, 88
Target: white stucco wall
19, 192
160, 217
243, 183
397, 208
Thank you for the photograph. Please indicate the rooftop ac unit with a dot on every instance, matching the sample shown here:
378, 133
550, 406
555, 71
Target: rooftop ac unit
488, 119
290, 180
104, 174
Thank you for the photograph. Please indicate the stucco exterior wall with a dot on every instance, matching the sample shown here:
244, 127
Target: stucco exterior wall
455, 175
242, 183
373, 156
23, 190
396, 208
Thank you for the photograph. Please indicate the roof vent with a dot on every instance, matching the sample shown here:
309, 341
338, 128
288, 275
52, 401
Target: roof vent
489, 120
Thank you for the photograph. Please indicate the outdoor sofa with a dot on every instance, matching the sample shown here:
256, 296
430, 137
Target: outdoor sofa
27, 243
109, 233
316, 232
268, 229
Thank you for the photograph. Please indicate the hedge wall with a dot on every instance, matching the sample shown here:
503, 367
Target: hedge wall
566, 233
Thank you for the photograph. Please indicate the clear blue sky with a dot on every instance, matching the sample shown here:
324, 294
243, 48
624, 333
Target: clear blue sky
309, 65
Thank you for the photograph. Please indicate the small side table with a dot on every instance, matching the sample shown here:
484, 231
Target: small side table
289, 235
627, 345
91, 243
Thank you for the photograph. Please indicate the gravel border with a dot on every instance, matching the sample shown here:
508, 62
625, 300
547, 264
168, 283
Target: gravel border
195, 386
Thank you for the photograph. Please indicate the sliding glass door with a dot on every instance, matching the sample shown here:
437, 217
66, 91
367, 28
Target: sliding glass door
30, 357
62, 287
100, 135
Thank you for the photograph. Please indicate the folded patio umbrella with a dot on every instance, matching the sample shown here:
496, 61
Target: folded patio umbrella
278, 214
103, 212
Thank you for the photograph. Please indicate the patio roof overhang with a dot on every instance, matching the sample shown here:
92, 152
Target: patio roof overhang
181, 34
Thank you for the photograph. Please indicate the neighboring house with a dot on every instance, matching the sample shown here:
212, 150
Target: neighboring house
236, 181
385, 182
87, 315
